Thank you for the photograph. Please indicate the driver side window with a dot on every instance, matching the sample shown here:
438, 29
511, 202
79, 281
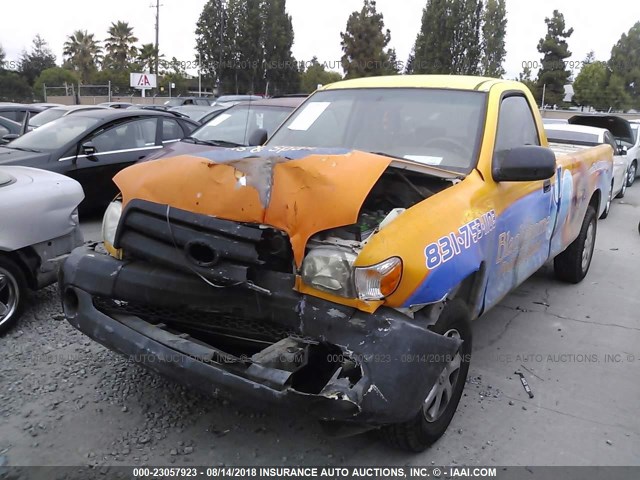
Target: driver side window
130, 135
516, 125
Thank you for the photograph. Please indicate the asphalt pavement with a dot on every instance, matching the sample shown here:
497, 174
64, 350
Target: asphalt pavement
65, 400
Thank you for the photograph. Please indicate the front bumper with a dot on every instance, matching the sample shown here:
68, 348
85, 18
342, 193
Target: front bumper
377, 368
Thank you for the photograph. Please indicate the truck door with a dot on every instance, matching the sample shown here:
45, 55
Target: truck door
525, 210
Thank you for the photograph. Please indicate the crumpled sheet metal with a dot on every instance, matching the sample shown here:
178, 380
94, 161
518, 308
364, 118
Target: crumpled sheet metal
302, 197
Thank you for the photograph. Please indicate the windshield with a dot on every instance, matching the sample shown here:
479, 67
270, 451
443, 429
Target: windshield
46, 117
175, 102
428, 126
54, 135
238, 123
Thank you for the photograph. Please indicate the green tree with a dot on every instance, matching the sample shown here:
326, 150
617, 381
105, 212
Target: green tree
625, 63
316, 74
526, 78
494, 30
247, 24
120, 46
364, 43
3, 55
147, 57
281, 68
212, 35
554, 74
464, 25
590, 86
83, 54
37, 60
53, 77
618, 94
14, 87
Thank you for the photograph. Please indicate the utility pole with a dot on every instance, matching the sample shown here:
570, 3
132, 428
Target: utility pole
157, 63
544, 90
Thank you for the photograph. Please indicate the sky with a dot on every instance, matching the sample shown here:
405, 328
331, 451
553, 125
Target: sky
317, 25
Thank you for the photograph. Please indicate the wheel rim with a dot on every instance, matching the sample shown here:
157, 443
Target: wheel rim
587, 251
632, 174
624, 188
9, 295
442, 392
608, 206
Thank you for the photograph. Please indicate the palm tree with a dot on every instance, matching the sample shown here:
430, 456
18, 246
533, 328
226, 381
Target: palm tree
120, 45
147, 56
83, 53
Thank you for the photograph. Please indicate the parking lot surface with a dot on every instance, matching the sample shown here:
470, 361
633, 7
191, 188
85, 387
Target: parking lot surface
65, 400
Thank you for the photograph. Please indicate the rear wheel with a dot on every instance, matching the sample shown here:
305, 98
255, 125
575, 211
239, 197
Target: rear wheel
13, 287
573, 264
441, 402
607, 207
622, 192
631, 177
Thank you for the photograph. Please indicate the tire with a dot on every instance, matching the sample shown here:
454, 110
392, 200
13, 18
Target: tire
573, 264
13, 288
631, 177
622, 192
417, 434
607, 207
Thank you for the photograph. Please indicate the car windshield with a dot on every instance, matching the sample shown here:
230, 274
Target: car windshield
237, 124
47, 116
174, 102
565, 136
55, 135
429, 126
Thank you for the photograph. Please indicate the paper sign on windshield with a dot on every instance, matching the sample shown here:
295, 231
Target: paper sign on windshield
308, 116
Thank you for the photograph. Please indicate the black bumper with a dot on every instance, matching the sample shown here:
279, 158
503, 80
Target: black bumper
393, 361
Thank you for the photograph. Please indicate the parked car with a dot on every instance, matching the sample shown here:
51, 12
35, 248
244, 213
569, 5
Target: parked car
54, 113
566, 138
17, 111
116, 104
622, 131
555, 121
199, 113
143, 106
179, 101
338, 267
29, 257
633, 151
9, 130
91, 146
47, 105
241, 125
231, 100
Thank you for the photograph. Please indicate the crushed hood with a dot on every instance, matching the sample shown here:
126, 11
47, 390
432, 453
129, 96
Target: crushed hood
299, 191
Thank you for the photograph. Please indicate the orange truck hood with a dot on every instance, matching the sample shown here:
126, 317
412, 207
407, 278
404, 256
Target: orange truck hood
301, 196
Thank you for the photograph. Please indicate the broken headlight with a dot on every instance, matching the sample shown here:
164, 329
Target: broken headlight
329, 269
110, 223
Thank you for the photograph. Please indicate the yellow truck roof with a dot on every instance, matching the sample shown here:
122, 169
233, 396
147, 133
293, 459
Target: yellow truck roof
458, 82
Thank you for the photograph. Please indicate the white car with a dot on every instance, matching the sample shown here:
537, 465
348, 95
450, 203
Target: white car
39, 219
633, 151
574, 136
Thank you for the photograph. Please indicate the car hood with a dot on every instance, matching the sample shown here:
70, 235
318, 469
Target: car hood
619, 127
37, 205
9, 156
299, 191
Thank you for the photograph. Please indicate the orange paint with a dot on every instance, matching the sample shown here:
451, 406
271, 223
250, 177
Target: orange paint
301, 197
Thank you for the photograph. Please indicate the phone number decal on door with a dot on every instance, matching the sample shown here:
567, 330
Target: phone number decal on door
455, 243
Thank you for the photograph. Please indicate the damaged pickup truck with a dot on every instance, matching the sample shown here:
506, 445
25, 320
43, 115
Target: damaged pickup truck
338, 267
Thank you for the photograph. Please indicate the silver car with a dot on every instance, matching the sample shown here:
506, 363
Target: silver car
39, 218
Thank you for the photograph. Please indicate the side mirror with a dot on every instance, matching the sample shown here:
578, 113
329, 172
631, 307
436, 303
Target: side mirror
524, 164
90, 150
9, 137
258, 137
